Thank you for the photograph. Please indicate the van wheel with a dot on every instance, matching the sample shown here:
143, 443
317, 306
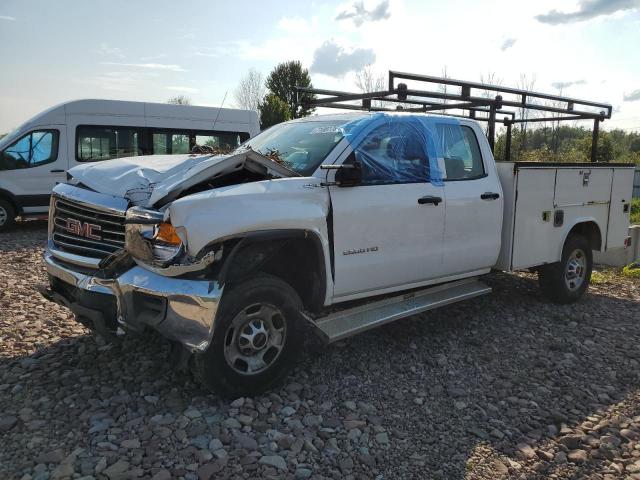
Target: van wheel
258, 331
567, 280
7, 215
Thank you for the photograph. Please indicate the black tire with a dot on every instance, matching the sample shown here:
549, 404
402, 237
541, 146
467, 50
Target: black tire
213, 370
554, 279
7, 215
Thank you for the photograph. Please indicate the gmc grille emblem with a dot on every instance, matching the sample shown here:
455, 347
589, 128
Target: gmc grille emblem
84, 229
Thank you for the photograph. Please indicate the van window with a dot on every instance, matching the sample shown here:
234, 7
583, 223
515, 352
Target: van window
94, 143
32, 150
219, 140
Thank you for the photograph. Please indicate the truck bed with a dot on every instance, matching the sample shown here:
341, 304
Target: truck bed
544, 201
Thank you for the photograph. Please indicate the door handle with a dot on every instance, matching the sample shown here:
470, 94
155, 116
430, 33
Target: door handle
429, 199
57, 171
490, 196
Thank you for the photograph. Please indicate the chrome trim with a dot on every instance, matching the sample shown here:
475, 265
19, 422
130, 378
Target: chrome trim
81, 261
191, 305
93, 200
144, 216
58, 208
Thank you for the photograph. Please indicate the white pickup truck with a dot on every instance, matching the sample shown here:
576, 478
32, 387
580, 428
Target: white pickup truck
342, 222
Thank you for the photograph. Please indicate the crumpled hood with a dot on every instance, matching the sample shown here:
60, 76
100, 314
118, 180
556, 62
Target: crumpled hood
146, 180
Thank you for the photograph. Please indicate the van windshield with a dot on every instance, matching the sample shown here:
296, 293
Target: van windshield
299, 146
4, 141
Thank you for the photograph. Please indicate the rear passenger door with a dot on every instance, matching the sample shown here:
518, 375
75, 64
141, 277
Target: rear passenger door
473, 193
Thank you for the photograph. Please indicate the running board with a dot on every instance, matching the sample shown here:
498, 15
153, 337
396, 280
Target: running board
346, 323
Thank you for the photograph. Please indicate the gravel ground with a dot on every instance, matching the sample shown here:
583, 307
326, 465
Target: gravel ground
503, 386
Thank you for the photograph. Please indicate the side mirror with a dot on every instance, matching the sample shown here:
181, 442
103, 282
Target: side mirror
349, 174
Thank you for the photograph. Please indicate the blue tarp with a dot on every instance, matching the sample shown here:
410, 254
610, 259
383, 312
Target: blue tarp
404, 148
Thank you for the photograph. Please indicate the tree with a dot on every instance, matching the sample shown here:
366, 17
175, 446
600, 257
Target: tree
180, 100
273, 110
368, 80
282, 82
250, 91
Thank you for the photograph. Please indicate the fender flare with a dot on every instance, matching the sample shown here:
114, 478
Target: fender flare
575, 223
246, 239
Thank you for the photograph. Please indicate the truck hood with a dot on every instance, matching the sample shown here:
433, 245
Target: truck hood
158, 179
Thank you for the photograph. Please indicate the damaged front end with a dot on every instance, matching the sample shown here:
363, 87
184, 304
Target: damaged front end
152, 282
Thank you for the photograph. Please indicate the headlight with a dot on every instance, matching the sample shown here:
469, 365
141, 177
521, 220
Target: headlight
166, 244
150, 237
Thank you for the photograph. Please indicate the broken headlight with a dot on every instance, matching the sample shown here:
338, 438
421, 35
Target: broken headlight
150, 237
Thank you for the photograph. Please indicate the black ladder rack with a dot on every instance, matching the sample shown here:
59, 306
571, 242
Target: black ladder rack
464, 99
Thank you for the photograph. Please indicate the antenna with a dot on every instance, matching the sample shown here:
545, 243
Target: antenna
219, 110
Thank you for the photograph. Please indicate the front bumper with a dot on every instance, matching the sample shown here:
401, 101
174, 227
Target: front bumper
181, 310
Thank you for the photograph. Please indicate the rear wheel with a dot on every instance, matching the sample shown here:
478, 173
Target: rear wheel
7, 215
257, 334
567, 280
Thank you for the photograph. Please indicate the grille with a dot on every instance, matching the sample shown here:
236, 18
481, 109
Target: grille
86, 231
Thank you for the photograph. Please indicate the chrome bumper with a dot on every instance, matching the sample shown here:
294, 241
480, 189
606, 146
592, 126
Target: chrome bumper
187, 308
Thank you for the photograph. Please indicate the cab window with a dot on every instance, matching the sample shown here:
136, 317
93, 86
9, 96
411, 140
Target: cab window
462, 157
34, 149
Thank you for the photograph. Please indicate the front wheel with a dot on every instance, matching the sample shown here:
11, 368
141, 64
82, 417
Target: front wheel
258, 331
7, 215
567, 280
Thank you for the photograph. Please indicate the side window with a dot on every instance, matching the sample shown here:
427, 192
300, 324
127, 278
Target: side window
393, 153
169, 142
462, 157
94, 143
223, 141
34, 149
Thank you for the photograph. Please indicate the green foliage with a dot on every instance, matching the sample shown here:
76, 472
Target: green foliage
273, 110
635, 211
569, 144
632, 271
282, 82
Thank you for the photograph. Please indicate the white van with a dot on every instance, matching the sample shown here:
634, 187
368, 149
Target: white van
37, 155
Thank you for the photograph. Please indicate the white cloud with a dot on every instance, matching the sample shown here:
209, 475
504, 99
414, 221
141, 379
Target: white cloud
333, 60
8, 18
106, 49
565, 85
149, 66
359, 13
508, 43
182, 89
587, 10
632, 97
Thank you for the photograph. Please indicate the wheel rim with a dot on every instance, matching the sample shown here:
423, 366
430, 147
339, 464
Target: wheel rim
575, 270
3, 216
255, 339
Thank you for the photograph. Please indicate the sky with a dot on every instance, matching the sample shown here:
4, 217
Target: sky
52, 51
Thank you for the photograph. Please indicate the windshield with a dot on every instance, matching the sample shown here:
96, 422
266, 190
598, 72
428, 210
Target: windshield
5, 140
299, 146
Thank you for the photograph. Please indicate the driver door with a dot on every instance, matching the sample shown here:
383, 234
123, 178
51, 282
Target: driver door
388, 231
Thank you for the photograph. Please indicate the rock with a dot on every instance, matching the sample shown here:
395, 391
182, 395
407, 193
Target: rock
382, 438
275, 461
312, 420
237, 403
232, 423
572, 442
129, 444
162, 474
526, 450
578, 456
287, 411
117, 469
53, 456
64, 470
215, 444
209, 470
192, 413
302, 473
7, 422
247, 442
351, 405
346, 465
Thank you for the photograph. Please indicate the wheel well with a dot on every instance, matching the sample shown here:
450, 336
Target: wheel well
590, 231
296, 258
11, 201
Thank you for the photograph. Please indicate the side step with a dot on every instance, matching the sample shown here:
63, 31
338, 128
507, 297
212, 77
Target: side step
346, 323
